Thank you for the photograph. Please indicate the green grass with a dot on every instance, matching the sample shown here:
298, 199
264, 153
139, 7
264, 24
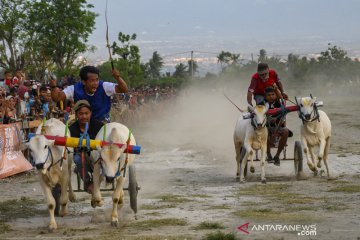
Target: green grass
279, 215
209, 225
220, 236
224, 206
156, 223
156, 207
20, 208
152, 214
4, 227
169, 198
340, 182
200, 195
335, 207
346, 189
148, 237
278, 193
263, 190
302, 208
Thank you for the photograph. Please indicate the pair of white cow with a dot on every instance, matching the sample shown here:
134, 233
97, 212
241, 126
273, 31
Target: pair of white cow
53, 169
252, 134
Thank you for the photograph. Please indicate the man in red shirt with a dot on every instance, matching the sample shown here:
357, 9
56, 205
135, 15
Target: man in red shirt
264, 78
8, 79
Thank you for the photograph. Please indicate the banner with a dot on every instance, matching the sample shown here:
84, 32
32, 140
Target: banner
12, 161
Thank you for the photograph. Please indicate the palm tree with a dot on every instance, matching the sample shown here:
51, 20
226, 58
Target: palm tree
192, 67
153, 67
180, 71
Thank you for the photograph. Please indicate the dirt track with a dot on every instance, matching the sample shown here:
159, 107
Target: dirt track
187, 175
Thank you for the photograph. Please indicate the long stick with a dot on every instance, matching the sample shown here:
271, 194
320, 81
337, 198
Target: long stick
233, 103
107, 37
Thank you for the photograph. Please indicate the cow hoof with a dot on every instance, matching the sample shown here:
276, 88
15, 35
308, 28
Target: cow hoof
62, 213
322, 173
52, 227
96, 203
114, 223
316, 172
72, 197
242, 181
237, 179
263, 181
252, 169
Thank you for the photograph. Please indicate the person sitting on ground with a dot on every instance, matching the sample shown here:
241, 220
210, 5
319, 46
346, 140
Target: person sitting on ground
83, 115
283, 132
264, 78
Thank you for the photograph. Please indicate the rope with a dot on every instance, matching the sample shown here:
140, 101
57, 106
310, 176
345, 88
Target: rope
127, 152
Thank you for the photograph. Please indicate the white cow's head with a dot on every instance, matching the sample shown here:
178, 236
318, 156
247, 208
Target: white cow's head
307, 108
112, 161
259, 118
40, 151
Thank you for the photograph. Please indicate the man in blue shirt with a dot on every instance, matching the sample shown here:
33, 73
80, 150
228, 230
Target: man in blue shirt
93, 90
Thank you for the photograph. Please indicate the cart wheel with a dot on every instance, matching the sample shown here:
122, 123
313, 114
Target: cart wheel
133, 188
298, 160
242, 155
56, 192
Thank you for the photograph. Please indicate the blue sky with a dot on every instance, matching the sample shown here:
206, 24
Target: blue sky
232, 24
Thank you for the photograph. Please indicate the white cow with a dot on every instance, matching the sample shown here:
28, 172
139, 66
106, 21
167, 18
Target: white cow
252, 135
109, 163
315, 131
53, 169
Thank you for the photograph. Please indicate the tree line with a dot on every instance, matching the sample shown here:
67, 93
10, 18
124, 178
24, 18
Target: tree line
49, 36
331, 66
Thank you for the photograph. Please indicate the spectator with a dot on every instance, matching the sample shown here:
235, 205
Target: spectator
10, 110
19, 78
8, 80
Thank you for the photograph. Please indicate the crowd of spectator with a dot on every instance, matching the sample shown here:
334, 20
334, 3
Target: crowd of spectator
21, 98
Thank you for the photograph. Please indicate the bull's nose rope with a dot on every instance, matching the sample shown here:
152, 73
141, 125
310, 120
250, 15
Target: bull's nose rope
127, 152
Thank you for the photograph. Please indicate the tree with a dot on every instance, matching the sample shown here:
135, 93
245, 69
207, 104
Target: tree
12, 32
180, 71
333, 54
298, 68
228, 59
153, 67
126, 59
192, 67
59, 30
262, 56
224, 57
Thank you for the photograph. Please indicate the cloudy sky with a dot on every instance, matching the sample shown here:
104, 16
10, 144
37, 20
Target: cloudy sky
240, 26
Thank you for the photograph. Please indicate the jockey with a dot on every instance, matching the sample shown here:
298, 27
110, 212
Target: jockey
264, 78
282, 131
95, 91
83, 115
